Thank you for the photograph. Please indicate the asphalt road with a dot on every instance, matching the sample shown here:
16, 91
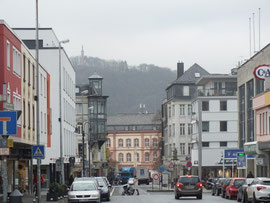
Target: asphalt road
162, 197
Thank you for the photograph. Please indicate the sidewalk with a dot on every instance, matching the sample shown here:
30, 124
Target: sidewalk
27, 198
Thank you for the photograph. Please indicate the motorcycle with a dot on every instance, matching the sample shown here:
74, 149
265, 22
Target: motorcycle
128, 190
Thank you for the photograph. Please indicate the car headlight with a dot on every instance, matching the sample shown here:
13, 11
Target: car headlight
95, 196
71, 196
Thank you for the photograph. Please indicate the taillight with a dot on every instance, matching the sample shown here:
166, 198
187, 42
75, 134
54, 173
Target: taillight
199, 184
179, 185
260, 188
246, 186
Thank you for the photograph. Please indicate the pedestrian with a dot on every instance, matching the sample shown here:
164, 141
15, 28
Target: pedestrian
250, 175
71, 179
35, 183
135, 186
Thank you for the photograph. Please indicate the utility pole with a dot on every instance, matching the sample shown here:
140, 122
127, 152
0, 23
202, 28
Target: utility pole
4, 165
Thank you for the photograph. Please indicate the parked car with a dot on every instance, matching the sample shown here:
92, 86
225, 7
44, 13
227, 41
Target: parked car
188, 186
104, 189
215, 185
232, 188
224, 186
242, 191
259, 190
219, 186
82, 191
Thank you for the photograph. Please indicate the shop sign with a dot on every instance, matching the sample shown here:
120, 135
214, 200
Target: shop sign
262, 71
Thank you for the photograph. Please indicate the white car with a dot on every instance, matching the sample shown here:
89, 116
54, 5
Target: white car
84, 191
259, 190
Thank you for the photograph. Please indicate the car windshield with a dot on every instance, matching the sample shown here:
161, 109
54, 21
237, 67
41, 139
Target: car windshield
249, 181
124, 174
193, 180
101, 183
238, 182
82, 186
266, 182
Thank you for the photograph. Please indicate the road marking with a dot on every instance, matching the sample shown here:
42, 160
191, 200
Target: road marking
112, 191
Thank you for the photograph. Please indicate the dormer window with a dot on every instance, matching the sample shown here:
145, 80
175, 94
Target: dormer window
197, 75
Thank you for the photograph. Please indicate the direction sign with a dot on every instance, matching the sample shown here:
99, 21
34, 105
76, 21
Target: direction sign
10, 117
38, 152
241, 160
232, 153
189, 164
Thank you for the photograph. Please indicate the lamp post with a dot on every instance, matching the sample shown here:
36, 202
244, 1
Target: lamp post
60, 113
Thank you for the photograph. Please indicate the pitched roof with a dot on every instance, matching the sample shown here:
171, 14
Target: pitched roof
133, 119
189, 75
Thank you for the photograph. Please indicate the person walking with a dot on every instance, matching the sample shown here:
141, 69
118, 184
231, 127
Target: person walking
136, 185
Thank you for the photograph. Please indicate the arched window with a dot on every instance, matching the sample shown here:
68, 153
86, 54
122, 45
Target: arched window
137, 157
146, 142
108, 143
128, 157
155, 156
120, 157
155, 142
120, 143
147, 156
136, 142
128, 143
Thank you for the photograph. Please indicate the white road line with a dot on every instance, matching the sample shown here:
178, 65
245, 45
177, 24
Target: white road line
112, 191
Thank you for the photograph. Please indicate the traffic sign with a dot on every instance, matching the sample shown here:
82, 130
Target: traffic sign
38, 152
241, 160
189, 164
232, 153
171, 165
156, 176
4, 151
161, 169
10, 117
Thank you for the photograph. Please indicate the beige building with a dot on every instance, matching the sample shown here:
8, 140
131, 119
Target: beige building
134, 140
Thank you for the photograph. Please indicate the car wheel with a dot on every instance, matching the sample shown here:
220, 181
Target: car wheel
176, 196
108, 198
199, 197
254, 199
213, 193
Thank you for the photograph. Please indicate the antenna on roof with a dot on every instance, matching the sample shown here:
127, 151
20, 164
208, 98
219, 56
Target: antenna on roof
259, 29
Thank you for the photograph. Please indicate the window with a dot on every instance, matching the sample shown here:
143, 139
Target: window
205, 106
146, 142
189, 109
170, 112
189, 129
45, 122
16, 61
223, 144
136, 142
155, 142
170, 130
128, 143
29, 72
108, 143
128, 157
182, 109
79, 108
173, 130
137, 157
182, 148
8, 55
155, 156
24, 61
189, 148
147, 156
182, 128
173, 110
223, 105
120, 143
23, 113
121, 157
205, 144
41, 126
34, 77
223, 126
205, 126
186, 91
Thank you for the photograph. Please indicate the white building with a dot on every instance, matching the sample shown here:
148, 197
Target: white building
177, 117
49, 58
219, 117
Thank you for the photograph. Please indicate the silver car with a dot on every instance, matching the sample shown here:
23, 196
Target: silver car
259, 190
84, 191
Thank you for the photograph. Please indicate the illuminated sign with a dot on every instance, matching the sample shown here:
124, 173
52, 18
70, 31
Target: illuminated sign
262, 71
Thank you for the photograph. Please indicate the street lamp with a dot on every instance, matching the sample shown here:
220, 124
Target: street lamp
60, 113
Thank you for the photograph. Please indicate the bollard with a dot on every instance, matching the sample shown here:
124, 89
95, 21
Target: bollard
15, 197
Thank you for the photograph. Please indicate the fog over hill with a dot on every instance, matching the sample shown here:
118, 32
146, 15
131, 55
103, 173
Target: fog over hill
127, 86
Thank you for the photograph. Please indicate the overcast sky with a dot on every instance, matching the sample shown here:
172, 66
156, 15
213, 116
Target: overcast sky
212, 33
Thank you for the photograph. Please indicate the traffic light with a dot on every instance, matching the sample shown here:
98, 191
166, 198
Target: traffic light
71, 161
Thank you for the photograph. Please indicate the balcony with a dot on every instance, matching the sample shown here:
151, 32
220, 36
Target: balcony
215, 92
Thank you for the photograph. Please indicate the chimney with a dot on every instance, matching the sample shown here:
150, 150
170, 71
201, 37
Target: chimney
180, 69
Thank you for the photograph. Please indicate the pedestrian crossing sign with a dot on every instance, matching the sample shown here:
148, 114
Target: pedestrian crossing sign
38, 152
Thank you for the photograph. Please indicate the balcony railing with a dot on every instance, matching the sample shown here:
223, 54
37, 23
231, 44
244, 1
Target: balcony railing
215, 92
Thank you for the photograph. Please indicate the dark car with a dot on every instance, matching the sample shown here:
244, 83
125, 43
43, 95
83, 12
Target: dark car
219, 186
188, 186
233, 187
242, 191
224, 186
215, 185
104, 189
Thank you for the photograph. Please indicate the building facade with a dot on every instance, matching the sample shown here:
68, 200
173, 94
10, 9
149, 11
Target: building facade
217, 95
177, 112
134, 140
